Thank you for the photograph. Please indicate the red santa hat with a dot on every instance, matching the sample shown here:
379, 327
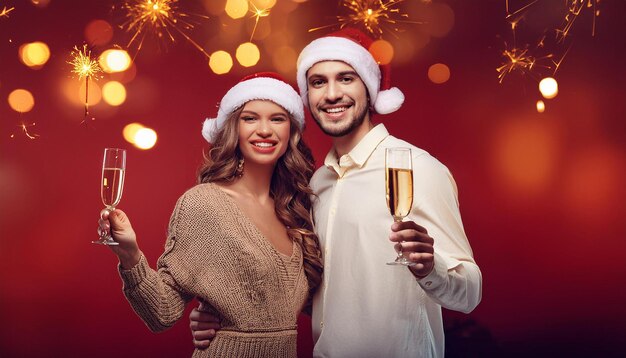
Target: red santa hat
351, 46
264, 86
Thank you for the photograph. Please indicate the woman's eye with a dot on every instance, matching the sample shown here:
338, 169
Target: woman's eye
346, 79
247, 119
278, 119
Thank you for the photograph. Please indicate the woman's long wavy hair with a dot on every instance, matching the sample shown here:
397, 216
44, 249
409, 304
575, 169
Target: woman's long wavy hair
289, 188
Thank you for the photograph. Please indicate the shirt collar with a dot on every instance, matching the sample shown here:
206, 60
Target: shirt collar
359, 154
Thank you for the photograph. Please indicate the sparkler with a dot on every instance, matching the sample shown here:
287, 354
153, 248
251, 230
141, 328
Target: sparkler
5, 11
85, 67
24, 128
257, 14
162, 18
376, 16
574, 8
527, 61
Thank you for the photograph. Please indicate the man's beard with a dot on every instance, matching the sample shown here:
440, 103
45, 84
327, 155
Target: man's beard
340, 132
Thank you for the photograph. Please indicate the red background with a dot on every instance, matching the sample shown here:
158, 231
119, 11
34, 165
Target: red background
542, 195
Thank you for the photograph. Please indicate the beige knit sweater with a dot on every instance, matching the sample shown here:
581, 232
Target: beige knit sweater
214, 252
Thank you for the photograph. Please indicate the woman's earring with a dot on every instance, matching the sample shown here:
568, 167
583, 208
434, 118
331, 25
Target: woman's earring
239, 170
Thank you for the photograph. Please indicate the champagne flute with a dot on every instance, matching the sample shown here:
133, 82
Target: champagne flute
111, 186
399, 185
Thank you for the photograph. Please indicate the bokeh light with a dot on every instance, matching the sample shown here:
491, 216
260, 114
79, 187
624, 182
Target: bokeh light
541, 107
34, 54
263, 4
382, 51
21, 100
247, 54
525, 155
594, 185
130, 131
236, 9
548, 87
40, 3
114, 60
145, 138
284, 59
114, 93
95, 92
98, 32
220, 62
440, 19
438, 73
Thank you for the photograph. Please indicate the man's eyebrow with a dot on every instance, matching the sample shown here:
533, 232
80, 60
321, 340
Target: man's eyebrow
344, 73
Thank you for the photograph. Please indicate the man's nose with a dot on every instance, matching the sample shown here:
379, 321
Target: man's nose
333, 92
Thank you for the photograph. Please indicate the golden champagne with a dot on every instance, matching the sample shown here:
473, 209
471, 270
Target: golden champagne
112, 185
399, 192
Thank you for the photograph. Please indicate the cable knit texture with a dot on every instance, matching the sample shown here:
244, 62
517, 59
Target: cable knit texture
215, 252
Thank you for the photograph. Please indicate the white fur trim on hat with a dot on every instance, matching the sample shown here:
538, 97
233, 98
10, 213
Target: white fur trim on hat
263, 88
333, 48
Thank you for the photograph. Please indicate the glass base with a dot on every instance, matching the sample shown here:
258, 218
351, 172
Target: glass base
108, 242
402, 261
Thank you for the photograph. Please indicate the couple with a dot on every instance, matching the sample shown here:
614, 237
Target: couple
243, 241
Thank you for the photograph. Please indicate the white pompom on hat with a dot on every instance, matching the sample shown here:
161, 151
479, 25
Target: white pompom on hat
351, 46
259, 86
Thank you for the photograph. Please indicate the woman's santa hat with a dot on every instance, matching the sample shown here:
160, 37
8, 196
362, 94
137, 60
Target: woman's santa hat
351, 46
268, 86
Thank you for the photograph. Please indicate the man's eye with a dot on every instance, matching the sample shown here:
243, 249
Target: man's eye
346, 79
317, 83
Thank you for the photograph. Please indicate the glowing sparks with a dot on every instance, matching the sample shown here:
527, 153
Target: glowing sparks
574, 9
24, 129
83, 64
161, 18
257, 14
5, 11
541, 58
85, 67
375, 16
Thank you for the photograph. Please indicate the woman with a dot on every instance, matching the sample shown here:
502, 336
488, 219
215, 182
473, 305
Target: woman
241, 241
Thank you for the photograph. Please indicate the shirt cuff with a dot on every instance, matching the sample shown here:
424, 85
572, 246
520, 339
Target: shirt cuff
134, 276
437, 276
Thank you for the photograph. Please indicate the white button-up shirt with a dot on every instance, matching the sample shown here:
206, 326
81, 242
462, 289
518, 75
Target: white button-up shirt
365, 308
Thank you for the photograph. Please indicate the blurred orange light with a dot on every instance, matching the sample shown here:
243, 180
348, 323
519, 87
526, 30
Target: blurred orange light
284, 59
263, 4
34, 54
220, 62
114, 60
439, 73
98, 32
114, 93
382, 51
130, 131
526, 153
21, 100
95, 93
145, 138
248, 54
541, 107
236, 9
548, 87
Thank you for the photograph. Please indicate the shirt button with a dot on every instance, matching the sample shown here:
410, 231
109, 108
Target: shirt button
322, 324
428, 283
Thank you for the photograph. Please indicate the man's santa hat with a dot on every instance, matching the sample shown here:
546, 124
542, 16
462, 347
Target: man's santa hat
351, 46
259, 86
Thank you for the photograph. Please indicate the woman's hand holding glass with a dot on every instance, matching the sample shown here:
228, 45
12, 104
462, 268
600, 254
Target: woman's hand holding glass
117, 223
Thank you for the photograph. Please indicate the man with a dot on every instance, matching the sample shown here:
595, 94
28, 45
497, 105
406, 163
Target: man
365, 308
